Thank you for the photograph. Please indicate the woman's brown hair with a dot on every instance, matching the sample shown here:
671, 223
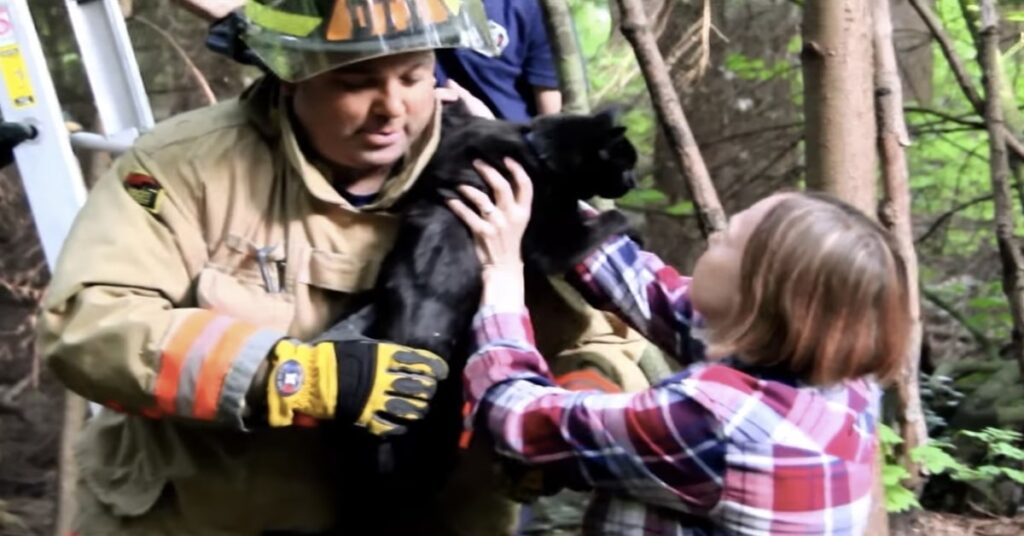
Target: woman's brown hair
823, 292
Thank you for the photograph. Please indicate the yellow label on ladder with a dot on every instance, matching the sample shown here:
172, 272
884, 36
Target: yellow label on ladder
16, 78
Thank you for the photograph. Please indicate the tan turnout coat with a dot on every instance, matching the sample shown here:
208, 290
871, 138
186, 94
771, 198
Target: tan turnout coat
160, 311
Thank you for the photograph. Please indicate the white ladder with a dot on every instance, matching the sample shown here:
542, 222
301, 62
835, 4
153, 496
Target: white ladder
50, 172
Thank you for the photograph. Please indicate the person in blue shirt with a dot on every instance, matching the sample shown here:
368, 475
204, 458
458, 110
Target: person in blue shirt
521, 81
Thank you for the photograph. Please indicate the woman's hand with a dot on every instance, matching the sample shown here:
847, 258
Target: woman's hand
452, 91
498, 229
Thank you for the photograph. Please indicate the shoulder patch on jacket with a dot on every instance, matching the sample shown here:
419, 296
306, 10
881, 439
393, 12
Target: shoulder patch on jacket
145, 190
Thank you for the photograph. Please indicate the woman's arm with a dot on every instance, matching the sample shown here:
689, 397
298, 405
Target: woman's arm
645, 292
659, 446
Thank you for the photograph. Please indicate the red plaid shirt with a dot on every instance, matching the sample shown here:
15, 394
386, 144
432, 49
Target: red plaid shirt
721, 448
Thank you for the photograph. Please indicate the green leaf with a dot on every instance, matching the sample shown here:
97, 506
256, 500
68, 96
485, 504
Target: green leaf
1014, 474
892, 474
682, 208
900, 499
643, 197
934, 458
888, 436
1007, 450
794, 44
987, 302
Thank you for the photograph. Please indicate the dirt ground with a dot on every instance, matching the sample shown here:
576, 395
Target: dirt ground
29, 446
939, 524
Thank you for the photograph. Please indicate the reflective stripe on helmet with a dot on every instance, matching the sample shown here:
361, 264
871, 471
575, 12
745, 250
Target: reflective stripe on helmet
357, 20
281, 21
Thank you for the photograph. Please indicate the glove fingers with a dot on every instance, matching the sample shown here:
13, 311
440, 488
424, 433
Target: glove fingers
386, 421
384, 428
414, 386
404, 408
421, 362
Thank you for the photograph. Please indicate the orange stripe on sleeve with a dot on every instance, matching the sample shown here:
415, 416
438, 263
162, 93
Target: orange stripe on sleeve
215, 368
587, 380
173, 357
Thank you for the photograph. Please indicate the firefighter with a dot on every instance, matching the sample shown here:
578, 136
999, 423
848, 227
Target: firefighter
229, 235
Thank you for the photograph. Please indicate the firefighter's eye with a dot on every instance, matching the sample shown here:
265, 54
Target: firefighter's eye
415, 76
352, 83
413, 79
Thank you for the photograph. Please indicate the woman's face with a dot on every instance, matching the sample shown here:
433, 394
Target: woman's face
716, 276
366, 115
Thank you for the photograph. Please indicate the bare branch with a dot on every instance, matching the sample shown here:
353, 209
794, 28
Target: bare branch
892, 141
945, 116
955, 63
979, 336
945, 216
705, 39
753, 132
197, 75
673, 120
732, 189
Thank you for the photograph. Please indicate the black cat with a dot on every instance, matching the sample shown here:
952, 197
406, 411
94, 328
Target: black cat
428, 288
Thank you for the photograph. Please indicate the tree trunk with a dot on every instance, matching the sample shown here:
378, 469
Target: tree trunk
838, 64
1009, 249
572, 77
892, 141
635, 27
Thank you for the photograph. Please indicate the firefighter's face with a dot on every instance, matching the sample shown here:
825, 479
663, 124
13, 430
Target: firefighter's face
365, 116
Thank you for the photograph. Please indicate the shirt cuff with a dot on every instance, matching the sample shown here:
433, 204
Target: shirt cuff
502, 324
505, 351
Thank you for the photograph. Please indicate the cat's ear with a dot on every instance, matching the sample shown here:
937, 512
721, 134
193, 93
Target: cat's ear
608, 116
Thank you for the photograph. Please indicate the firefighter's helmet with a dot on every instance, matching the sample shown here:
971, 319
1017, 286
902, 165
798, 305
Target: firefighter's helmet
299, 39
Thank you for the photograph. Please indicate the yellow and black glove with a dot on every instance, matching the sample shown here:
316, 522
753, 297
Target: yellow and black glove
377, 385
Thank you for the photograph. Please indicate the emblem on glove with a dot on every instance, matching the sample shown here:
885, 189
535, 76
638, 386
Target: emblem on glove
289, 378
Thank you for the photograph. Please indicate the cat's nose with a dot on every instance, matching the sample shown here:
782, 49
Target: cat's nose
629, 178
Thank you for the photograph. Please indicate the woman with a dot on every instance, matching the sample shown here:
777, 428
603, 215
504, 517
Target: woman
799, 305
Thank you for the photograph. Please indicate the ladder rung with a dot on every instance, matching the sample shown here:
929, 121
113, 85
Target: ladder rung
115, 143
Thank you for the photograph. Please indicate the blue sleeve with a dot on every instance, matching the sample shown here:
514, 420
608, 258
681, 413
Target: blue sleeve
539, 63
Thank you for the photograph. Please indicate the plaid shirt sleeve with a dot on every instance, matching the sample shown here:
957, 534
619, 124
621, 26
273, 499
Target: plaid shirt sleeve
649, 295
658, 446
